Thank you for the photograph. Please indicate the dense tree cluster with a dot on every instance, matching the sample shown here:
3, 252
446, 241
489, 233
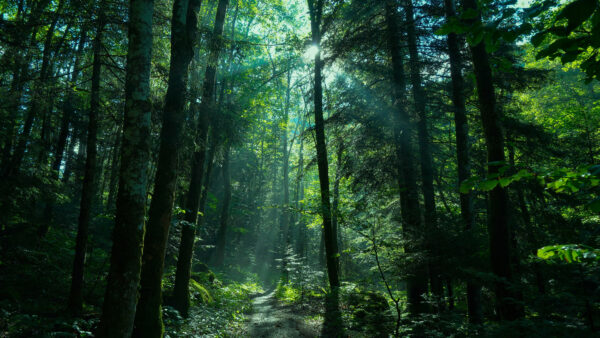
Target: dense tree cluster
389, 167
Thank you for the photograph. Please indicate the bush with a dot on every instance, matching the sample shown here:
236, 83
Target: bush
369, 312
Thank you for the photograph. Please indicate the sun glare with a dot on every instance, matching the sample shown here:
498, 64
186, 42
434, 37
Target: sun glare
311, 52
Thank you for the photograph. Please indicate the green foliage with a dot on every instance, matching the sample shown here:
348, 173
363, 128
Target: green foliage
572, 34
570, 253
203, 294
221, 312
368, 312
287, 293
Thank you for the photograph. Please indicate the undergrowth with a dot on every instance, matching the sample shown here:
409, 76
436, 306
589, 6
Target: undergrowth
219, 310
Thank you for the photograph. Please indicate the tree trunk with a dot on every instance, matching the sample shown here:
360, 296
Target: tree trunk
181, 293
118, 311
462, 154
75, 303
333, 325
430, 216
410, 208
148, 320
498, 218
114, 172
301, 239
68, 107
285, 183
336, 197
222, 232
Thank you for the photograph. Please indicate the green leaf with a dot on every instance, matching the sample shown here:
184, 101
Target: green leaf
476, 37
453, 25
570, 253
554, 47
577, 12
467, 185
488, 185
505, 181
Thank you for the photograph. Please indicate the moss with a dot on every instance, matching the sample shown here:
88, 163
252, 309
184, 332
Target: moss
200, 292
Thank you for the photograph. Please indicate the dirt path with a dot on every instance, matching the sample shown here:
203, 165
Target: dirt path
272, 319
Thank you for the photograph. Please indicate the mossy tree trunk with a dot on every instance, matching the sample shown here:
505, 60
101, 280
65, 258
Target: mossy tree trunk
118, 311
148, 318
181, 293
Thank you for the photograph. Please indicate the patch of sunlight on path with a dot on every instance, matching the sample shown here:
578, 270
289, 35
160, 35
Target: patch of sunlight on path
270, 318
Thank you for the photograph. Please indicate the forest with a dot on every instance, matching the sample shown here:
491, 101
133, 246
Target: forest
299, 168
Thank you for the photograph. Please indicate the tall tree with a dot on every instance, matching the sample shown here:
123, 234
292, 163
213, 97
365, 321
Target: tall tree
333, 320
148, 320
498, 204
430, 213
188, 234
88, 191
219, 255
118, 311
285, 215
410, 208
461, 126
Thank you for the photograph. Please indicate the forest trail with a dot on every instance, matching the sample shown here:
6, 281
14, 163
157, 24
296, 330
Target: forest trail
270, 318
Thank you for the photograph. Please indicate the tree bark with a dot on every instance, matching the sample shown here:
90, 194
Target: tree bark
188, 235
118, 311
498, 218
148, 318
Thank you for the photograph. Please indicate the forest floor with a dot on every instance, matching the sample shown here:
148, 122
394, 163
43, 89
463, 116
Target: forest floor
272, 318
